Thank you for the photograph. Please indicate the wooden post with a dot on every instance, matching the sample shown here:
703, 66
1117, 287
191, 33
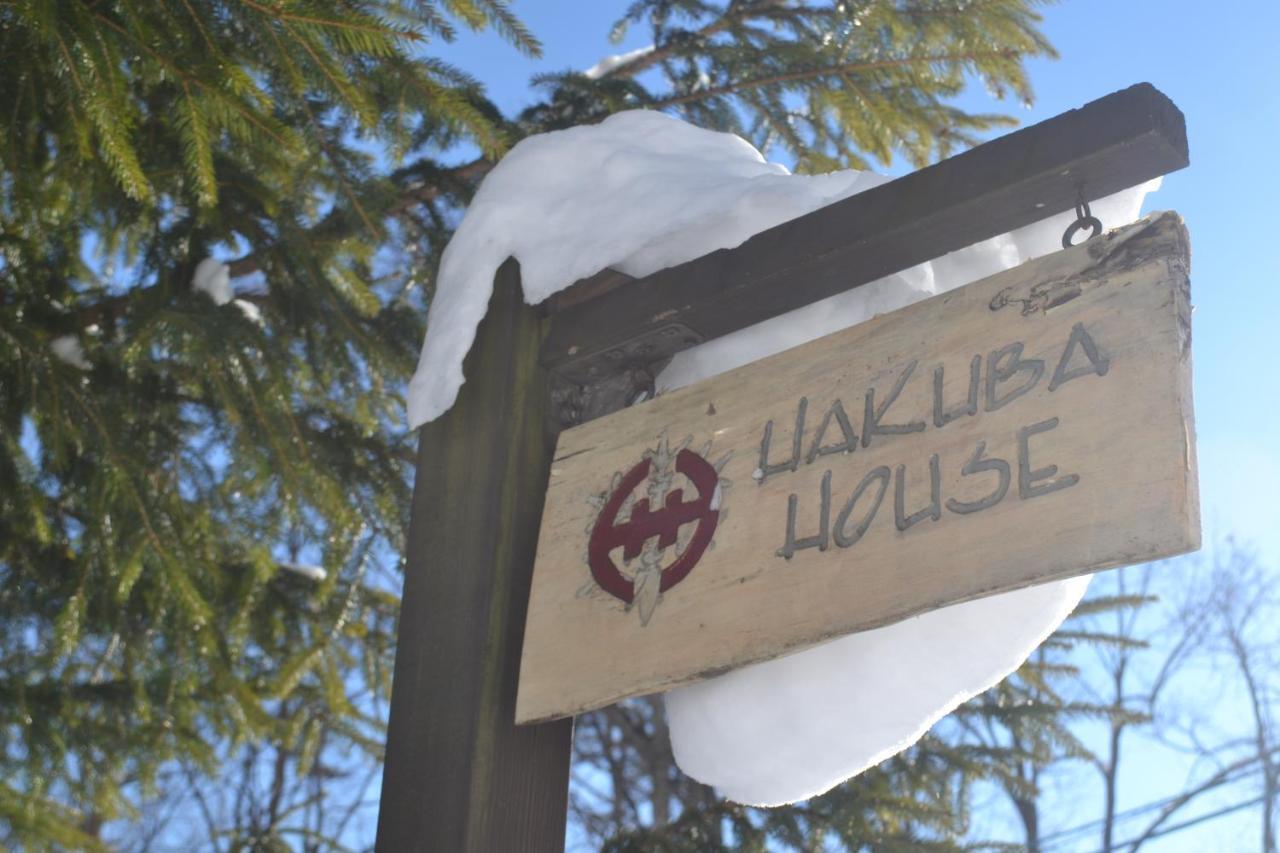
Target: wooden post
459, 774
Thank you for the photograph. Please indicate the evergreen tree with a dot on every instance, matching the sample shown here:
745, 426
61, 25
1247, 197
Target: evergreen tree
200, 496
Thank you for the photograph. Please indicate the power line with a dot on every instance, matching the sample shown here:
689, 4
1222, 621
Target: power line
1192, 822
1080, 829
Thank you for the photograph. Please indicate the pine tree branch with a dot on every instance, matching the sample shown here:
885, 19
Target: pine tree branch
425, 192
347, 189
479, 167
816, 73
111, 307
368, 29
178, 73
719, 25
419, 193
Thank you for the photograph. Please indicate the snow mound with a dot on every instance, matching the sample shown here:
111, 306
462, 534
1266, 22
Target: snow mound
638, 192
787, 729
642, 191
213, 278
69, 350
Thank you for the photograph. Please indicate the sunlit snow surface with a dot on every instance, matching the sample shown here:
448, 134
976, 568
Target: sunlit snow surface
638, 192
610, 63
69, 350
642, 191
212, 277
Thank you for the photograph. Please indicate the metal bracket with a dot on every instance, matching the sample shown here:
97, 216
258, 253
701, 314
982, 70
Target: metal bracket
1084, 219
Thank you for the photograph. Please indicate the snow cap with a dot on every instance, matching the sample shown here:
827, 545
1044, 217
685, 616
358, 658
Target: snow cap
68, 349
213, 278
638, 192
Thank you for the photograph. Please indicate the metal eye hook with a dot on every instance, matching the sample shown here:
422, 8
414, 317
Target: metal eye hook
1084, 219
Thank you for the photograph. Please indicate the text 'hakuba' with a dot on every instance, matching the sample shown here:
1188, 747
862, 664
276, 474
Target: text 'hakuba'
994, 381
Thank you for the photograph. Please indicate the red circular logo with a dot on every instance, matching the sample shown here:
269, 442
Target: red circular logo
645, 523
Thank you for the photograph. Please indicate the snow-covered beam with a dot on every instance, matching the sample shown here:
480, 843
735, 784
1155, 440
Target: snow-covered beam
600, 329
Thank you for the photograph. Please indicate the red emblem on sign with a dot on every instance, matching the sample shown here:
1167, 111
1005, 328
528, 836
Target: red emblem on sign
645, 525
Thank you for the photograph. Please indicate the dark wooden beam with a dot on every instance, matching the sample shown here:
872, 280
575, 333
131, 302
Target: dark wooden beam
1123, 139
459, 774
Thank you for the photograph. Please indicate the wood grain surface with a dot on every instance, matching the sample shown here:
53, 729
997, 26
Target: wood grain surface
1031, 426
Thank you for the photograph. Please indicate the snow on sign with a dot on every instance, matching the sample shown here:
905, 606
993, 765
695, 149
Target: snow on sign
1031, 426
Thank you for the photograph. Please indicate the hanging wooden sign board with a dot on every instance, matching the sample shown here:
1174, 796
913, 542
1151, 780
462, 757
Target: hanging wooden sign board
1031, 426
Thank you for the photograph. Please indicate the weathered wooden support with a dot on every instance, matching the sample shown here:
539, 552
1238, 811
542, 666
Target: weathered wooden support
459, 774
601, 329
1028, 427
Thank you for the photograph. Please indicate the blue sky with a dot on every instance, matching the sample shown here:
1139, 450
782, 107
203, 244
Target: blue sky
1220, 64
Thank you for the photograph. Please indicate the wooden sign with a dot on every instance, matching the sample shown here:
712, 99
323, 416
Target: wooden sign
1028, 427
